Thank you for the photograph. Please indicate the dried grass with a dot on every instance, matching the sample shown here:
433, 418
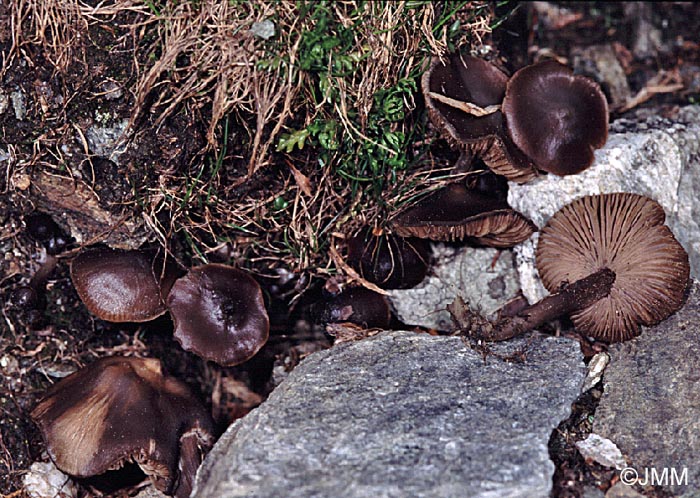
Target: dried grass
207, 58
59, 27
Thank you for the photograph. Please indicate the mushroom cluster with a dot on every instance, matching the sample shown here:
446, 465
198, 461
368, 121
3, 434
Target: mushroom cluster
218, 311
121, 409
543, 118
117, 409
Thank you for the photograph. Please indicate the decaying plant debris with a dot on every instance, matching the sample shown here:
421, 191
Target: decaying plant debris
334, 76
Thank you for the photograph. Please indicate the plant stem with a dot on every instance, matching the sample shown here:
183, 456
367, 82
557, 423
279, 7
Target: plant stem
576, 296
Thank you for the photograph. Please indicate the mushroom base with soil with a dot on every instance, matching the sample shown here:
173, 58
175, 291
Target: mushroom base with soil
578, 295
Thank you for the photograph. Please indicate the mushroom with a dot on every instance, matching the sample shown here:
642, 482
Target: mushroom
122, 285
612, 265
118, 410
555, 118
219, 314
42, 228
463, 95
456, 212
389, 261
356, 305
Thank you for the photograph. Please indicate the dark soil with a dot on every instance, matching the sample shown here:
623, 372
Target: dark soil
39, 345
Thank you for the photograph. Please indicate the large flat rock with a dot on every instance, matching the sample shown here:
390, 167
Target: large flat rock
402, 414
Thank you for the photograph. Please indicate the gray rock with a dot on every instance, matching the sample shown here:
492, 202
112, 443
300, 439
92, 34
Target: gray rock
484, 278
601, 63
111, 90
402, 414
263, 29
4, 102
19, 104
651, 404
106, 141
44, 480
150, 492
622, 490
656, 157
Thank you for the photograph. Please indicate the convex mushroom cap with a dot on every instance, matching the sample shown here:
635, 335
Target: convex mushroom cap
389, 261
555, 118
219, 314
456, 212
626, 234
463, 95
118, 410
122, 285
357, 305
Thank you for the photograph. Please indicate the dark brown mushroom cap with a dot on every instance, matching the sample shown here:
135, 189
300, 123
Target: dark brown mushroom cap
219, 314
625, 233
456, 213
475, 81
389, 261
120, 409
556, 118
121, 285
356, 305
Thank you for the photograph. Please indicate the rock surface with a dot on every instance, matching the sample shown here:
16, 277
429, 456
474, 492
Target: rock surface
402, 414
651, 405
484, 278
657, 157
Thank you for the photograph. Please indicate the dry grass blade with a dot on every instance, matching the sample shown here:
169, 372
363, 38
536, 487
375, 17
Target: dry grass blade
224, 67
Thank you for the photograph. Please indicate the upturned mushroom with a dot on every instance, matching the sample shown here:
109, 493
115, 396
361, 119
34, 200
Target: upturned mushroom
122, 285
463, 96
219, 314
555, 118
118, 410
613, 266
457, 212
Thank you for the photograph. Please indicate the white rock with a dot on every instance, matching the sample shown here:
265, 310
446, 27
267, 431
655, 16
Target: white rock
596, 368
602, 451
44, 480
467, 272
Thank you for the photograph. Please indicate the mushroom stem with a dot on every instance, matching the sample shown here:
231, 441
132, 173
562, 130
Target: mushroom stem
30, 295
576, 296
38, 281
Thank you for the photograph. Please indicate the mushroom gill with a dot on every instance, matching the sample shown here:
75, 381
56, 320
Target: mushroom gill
611, 264
625, 233
457, 212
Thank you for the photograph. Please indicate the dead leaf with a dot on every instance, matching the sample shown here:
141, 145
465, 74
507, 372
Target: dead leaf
302, 180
